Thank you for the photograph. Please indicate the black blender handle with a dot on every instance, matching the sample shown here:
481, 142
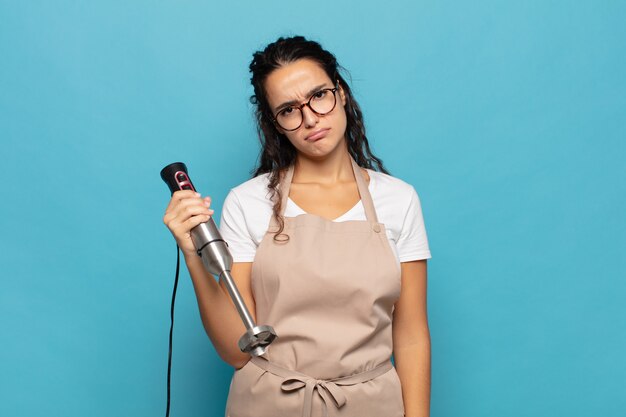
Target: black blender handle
176, 177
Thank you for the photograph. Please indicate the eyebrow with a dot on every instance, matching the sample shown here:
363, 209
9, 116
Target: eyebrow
294, 102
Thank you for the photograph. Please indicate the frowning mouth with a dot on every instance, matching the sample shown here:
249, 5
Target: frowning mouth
318, 134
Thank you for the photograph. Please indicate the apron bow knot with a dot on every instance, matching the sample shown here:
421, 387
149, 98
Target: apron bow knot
327, 390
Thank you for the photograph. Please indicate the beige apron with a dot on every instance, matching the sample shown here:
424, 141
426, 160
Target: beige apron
329, 293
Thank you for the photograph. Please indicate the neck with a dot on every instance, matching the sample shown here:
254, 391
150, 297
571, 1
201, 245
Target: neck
334, 168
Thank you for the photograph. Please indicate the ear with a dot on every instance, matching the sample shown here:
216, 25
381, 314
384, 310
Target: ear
342, 95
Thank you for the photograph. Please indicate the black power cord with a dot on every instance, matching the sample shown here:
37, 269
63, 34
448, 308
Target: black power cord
169, 356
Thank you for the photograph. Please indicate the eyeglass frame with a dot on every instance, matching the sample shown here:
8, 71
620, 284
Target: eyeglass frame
308, 104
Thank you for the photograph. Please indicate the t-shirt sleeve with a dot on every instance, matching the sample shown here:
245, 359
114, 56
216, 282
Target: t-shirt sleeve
412, 243
234, 230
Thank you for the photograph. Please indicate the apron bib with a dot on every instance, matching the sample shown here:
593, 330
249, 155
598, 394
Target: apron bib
329, 293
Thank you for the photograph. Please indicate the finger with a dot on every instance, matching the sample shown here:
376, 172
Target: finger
196, 220
185, 210
176, 203
179, 196
181, 228
191, 202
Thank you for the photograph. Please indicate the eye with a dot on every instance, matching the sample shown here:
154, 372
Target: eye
320, 94
286, 111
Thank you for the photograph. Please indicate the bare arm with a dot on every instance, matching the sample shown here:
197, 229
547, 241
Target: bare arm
411, 340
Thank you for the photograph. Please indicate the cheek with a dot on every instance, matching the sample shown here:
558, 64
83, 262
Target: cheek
342, 120
293, 138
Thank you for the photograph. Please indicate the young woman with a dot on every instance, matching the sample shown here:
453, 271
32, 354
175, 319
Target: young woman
328, 248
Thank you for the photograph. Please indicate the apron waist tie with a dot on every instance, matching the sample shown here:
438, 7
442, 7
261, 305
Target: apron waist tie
328, 389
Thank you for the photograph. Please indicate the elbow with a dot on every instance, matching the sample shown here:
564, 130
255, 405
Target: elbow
239, 362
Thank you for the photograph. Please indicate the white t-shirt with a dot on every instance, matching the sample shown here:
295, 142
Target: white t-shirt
247, 211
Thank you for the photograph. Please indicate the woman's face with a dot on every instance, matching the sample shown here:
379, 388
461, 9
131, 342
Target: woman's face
318, 136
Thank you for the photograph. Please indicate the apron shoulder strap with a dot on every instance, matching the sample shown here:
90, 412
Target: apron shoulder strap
366, 197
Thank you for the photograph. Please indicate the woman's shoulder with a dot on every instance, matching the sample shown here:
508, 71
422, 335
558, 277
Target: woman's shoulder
252, 191
388, 185
398, 207
253, 185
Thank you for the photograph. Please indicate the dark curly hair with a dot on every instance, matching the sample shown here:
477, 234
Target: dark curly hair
277, 153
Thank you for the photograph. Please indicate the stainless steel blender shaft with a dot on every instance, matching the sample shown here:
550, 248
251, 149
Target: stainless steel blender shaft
218, 261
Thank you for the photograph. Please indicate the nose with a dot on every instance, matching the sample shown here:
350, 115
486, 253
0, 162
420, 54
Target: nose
309, 118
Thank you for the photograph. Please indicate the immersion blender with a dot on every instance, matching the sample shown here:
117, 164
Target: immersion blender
218, 261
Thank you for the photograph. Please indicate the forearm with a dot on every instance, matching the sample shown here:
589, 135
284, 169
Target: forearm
220, 318
413, 366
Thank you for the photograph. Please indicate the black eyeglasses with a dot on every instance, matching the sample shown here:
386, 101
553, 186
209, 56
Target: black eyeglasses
321, 102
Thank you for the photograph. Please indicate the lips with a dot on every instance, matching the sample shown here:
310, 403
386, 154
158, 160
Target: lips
318, 134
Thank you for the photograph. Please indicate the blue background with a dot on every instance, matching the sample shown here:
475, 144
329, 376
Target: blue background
507, 117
